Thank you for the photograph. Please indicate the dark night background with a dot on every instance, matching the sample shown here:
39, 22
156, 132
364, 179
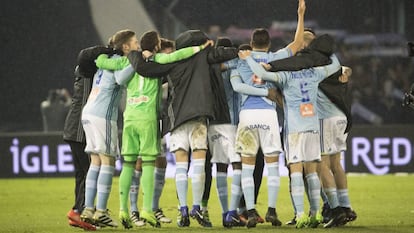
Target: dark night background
40, 43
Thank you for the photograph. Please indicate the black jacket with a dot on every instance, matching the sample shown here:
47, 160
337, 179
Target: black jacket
337, 91
221, 108
84, 72
317, 54
194, 91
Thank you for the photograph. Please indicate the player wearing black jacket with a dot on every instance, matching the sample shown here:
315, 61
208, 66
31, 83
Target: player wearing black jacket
194, 94
73, 132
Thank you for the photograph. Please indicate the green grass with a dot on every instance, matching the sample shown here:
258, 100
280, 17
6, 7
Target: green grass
383, 204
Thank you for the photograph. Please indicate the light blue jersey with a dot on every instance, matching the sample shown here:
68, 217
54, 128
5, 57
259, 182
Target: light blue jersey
238, 87
327, 109
243, 88
300, 90
248, 77
106, 92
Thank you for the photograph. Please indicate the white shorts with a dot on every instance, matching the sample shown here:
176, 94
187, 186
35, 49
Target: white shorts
101, 135
192, 134
221, 139
333, 138
258, 128
303, 147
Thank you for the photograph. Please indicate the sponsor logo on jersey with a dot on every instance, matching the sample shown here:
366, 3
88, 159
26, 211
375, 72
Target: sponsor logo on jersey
259, 126
138, 100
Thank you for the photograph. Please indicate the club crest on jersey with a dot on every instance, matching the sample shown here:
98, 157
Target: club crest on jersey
94, 93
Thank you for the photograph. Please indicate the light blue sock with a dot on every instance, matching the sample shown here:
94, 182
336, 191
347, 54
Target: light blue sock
236, 191
104, 186
248, 185
159, 185
291, 197
133, 192
273, 183
314, 186
198, 180
221, 184
298, 192
181, 182
91, 185
332, 196
343, 198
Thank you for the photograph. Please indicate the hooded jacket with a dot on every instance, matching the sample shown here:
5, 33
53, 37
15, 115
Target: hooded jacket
194, 91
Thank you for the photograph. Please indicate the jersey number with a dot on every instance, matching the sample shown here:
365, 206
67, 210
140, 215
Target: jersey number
98, 80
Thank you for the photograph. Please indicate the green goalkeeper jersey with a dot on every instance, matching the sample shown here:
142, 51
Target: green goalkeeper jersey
144, 93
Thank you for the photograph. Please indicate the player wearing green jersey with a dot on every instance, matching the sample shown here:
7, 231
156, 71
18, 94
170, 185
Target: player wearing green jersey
141, 134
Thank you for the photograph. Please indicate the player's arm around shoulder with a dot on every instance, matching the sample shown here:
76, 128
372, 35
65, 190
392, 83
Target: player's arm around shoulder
104, 62
123, 76
330, 69
243, 88
181, 54
257, 68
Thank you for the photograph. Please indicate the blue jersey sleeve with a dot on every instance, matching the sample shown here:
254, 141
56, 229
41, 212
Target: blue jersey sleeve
230, 64
123, 76
280, 54
244, 88
328, 70
260, 71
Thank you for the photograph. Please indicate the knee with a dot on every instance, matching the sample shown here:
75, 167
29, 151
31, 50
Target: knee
336, 167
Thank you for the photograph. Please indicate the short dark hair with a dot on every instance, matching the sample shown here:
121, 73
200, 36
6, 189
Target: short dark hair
224, 41
166, 43
260, 38
121, 37
149, 40
190, 38
245, 47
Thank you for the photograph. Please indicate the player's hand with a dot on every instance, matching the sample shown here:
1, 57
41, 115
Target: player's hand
346, 70
266, 66
243, 54
346, 73
146, 54
301, 7
208, 43
343, 78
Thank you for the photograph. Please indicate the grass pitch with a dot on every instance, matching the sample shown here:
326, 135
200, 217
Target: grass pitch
383, 204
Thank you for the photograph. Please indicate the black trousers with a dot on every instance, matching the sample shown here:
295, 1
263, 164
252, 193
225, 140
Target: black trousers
209, 177
81, 162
